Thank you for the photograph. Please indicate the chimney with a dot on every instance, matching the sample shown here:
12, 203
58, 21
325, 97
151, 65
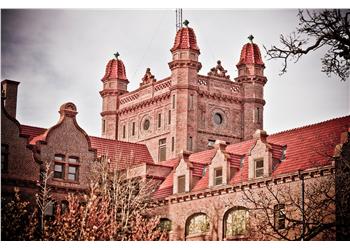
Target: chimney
219, 144
9, 88
185, 155
260, 135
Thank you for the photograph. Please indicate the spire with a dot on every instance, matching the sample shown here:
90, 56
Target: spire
185, 39
250, 54
178, 19
115, 69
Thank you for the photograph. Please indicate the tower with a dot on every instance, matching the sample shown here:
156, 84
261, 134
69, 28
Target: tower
114, 84
184, 76
251, 76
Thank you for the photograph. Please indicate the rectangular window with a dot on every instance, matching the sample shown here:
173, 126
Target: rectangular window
50, 209
259, 168
73, 168
172, 144
279, 216
257, 117
218, 176
181, 184
169, 117
124, 131
173, 101
284, 150
190, 144
58, 171
4, 157
72, 173
162, 150
133, 128
159, 120
103, 126
190, 102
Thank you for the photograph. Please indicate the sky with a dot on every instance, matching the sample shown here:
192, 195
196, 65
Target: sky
60, 56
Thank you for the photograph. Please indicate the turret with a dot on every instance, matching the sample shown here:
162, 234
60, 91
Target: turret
184, 69
251, 76
114, 84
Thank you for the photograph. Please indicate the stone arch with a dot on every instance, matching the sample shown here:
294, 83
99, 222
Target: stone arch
197, 225
235, 223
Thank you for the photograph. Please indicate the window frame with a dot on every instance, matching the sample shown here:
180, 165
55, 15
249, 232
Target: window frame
66, 163
124, 131
183, 187
226, 223
161, 147
216, 177
279, 216
159, 120
256, 161
59, 161
133, 129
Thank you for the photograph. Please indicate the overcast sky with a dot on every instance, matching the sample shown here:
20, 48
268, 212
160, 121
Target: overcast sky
60, 56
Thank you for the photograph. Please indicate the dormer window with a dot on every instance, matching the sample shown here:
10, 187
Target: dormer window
181, 180
284, 150
259, 168
218, 176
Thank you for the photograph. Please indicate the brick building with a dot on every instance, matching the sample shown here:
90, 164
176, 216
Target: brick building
201, 138
186, 110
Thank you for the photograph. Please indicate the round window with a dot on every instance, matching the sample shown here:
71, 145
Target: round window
146, 124
218, 118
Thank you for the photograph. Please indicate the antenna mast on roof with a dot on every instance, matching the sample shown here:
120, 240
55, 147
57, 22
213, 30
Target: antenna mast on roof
178, 19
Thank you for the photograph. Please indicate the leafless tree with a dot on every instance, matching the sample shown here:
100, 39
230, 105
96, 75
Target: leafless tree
316, 29
113, 208
281, 214
43, 197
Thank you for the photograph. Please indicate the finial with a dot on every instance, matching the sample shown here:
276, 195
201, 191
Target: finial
186, 22
251, 37
116, 55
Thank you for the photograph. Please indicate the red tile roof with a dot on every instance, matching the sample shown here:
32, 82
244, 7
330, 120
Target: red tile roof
250, 54
166, 188
185, 39
115, 69
121, 153
32, 131
306, 147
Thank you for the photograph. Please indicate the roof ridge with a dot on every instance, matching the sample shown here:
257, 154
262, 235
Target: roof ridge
32, 126
309, 125
126, 142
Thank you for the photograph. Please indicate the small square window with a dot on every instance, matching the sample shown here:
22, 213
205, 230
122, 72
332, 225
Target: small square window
59, 158
73, 160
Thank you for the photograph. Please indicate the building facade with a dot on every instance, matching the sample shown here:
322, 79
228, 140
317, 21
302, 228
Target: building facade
185, 111
162, 131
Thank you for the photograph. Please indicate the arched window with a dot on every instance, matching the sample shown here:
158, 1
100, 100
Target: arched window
235, 222
197, 224
165, 224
